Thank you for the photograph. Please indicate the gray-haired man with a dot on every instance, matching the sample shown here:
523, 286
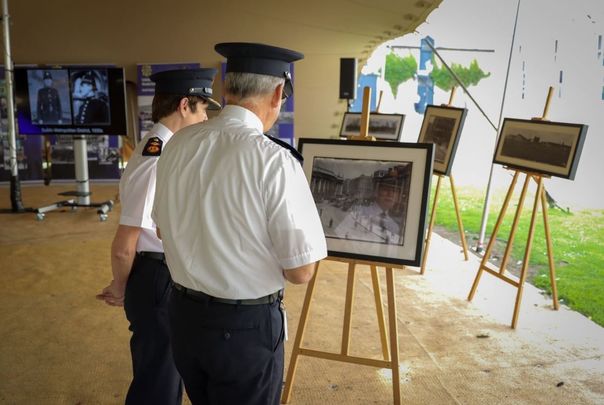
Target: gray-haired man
237, 219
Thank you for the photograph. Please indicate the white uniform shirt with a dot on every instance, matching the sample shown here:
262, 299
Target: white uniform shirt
234, 208
137, 190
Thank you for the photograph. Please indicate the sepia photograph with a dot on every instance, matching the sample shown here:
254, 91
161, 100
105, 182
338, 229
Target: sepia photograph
371, 196
385, 127
442, 127
551, 148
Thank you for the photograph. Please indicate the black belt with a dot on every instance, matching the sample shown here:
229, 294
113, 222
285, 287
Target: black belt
267, 299
153, 255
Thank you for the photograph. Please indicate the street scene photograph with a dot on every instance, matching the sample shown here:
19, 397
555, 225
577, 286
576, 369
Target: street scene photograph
537, 144
362, 200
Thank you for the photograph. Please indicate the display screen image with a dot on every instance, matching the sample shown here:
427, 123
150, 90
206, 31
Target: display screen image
90, 97
49, 102
82, 100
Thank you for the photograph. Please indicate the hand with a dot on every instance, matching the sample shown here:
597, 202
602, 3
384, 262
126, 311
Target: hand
113, 294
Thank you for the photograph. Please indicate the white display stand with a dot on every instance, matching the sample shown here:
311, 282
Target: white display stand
82, 191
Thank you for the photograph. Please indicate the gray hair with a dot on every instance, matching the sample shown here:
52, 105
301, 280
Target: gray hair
245, 85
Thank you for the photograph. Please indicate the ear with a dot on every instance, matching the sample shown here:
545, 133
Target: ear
183, 105
276, 97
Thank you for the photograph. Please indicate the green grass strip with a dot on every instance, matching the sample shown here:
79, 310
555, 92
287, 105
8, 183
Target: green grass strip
577, 239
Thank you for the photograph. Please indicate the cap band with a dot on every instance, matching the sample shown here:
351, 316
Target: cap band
203, 90
270, 67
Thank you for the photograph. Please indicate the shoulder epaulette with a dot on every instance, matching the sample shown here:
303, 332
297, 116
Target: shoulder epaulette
297, 155
153, 147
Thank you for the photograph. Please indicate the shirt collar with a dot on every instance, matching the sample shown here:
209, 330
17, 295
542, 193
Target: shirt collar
162, 131
242, 114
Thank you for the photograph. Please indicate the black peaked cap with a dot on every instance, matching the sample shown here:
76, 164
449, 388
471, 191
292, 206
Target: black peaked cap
187, 82
246, 57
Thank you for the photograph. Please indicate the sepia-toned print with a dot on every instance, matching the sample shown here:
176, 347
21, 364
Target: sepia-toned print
386, 127
442, 127
550, 148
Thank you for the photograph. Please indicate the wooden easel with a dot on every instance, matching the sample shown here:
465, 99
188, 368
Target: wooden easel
539, 195
390, 349
462, 234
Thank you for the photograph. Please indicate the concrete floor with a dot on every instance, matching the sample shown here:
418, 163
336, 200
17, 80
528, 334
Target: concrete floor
61, 346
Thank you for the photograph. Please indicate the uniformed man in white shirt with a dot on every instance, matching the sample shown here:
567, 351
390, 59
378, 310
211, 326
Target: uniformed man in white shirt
237, 220
141, 280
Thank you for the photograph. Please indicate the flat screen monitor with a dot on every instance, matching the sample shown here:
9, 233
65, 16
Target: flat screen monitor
82, 100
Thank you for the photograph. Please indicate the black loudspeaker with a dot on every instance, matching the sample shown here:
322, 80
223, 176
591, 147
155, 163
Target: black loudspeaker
348, 78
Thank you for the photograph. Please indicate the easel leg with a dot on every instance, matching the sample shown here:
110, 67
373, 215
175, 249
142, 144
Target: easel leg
508, 247
291, 371
377, 294
462, 234
393, 326
491, 243
431, 226
348, 309
550, 252
527, 252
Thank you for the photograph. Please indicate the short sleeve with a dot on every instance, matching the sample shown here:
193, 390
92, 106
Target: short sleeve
137, 190
294, 225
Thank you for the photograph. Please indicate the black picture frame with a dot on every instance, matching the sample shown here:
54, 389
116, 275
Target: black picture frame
384, 127
372, 197
442, 126
545, 147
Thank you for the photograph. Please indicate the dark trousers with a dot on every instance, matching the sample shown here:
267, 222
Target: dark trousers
155, 378
228, 354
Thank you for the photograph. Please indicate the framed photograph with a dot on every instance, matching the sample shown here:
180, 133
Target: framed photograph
384, 127
551, 148
371, 197
442, 127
